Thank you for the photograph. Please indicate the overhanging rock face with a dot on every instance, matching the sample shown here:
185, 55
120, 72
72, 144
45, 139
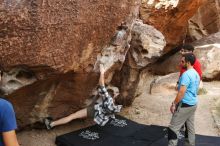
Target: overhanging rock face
63, 42
65, 35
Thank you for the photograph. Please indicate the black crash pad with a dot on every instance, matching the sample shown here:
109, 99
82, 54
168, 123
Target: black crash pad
124, 132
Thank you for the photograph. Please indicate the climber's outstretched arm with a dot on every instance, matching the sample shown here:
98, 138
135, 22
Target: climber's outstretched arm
102, 78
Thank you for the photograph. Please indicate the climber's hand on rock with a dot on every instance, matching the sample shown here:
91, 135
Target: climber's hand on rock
102, 69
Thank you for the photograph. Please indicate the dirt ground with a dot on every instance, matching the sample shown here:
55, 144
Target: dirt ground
146, 109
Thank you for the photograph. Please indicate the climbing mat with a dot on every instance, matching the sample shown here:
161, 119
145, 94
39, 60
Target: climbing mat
124, 132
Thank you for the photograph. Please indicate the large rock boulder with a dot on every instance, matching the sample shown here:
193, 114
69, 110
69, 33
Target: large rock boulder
55, 38
147, 44
205, 22
70, 92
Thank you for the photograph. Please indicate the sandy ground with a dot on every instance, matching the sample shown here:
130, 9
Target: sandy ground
146, 109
